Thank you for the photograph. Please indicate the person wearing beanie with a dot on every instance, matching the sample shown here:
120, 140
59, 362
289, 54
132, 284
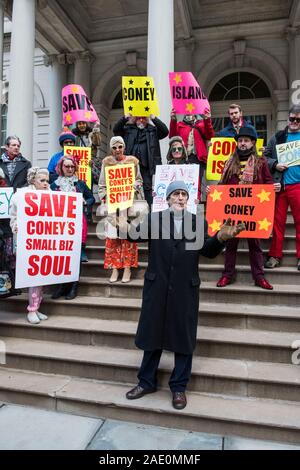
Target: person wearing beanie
142, 135
66, 138
13, 164
119, 253
177, 154
170, 305
38, 179
246, 167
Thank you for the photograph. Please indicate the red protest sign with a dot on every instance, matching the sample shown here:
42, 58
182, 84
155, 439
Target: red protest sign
253, 205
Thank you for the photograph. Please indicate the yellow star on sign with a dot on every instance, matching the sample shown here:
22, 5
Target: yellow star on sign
75, 89
264, 224
88, 114
177, 78
190, 107
264, 196
216, 195
68, 117
215, 226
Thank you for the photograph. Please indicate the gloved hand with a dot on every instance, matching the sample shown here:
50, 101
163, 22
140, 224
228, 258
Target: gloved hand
228, 231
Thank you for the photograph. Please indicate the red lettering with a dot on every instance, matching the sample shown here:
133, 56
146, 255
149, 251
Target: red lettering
32, 210
34, 270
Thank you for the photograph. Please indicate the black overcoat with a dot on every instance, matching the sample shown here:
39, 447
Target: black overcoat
170, 306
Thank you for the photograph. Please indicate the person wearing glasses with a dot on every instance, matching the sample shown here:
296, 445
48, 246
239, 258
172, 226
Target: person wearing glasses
38, 179
68, 181
177, 154
120, 254
289, 177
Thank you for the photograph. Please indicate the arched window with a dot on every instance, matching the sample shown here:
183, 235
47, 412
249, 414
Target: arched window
239, 86
118, 101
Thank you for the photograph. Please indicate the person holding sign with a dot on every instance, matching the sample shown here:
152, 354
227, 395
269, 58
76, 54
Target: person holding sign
120, 254
289, 195
245, 167
141, 136
69, 182
170, 307
38, 179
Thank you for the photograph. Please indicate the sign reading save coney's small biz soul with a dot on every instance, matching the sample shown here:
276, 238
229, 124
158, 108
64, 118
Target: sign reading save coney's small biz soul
251, 204
120, 181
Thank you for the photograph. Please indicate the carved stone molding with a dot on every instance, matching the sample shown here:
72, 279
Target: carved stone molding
239, 50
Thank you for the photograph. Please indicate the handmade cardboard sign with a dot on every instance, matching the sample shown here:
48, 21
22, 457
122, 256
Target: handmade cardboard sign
219, 152
166, 174
120, 181
289, 153
76, 106
83, 157
251, 204
49, 237
186, 93
139, 96
5, 197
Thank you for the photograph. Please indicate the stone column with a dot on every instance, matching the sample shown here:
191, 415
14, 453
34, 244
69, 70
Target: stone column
293, 37
161, 55
21, 81
82, 68
57, 80
1, 55
282, 107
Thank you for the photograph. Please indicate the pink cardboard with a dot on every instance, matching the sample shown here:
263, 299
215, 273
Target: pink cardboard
76, 106
186, 93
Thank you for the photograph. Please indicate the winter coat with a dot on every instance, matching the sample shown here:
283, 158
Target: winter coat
19, 179
271, 155
203, 131
81, 187
229, 130
170, 306
263, 175
154, 133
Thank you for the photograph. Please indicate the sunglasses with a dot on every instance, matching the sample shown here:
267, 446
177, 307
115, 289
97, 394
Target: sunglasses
293, 119
176, 149
118, 148
68, 166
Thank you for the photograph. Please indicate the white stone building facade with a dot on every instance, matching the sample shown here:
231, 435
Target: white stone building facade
245, 52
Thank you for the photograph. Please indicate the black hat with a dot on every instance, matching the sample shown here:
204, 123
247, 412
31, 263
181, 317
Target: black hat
246, 131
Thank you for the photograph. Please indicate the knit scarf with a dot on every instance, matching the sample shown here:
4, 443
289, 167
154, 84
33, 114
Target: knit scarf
248, 173
67, 183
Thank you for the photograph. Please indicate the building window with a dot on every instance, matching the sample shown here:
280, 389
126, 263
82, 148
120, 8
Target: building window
3, 123
239, 86
118, 101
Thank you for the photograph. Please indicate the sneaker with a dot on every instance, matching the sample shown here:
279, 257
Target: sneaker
224, 281
264, 284
33, 318
272, 262
83, 256
42, 316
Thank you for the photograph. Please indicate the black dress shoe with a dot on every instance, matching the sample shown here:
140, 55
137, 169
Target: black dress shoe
72, 292
60, 291
139, 392
179, 400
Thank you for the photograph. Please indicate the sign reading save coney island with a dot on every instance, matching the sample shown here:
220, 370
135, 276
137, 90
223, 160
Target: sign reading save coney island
251, 204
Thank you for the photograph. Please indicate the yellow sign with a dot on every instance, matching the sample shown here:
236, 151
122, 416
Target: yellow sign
139, 96
83, 156
119, 185
219, 152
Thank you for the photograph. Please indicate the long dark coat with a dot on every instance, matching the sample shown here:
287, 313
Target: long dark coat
19, 178
169, 315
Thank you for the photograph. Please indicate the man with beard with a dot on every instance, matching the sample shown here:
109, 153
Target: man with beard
142, 136
236, 122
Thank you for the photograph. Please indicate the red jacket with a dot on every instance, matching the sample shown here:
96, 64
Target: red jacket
203, 131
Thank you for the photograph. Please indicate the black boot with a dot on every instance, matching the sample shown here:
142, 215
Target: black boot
60, 290
72, 292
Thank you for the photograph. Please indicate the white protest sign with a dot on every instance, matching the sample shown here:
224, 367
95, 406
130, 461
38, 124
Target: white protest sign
166, 174
289, 153
5, 197
49, 237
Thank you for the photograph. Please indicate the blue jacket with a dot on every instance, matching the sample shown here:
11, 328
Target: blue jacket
52, 165
229, 130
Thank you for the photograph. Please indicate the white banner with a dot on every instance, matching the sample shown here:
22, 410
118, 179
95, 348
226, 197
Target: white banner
166, 174
5, 197
289, 153
49, 237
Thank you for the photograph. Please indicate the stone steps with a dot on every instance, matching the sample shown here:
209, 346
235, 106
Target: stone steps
210, 413
208, 272
270, 318
234, 293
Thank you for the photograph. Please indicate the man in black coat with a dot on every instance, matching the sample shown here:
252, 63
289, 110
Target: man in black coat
13, 164
142, 137
169, 315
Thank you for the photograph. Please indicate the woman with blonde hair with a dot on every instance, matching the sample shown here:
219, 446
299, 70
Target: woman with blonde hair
120, 254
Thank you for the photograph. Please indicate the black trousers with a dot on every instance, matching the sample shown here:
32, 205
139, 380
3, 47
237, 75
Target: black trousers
147, 185
180, 375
